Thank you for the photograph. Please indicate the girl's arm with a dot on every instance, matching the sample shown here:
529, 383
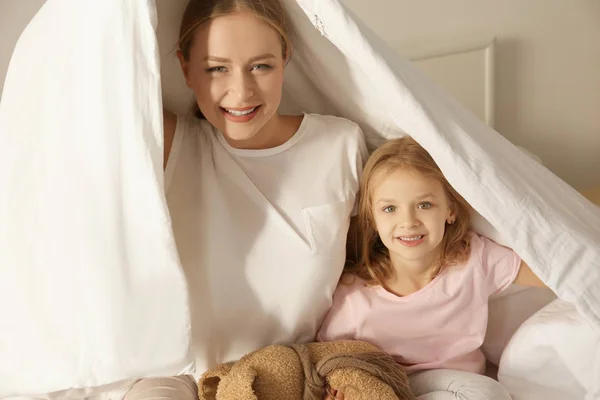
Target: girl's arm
526, 277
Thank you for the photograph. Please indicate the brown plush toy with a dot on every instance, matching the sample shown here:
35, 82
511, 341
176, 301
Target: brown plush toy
303, 372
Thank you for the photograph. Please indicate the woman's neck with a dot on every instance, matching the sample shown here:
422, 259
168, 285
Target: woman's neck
276, 132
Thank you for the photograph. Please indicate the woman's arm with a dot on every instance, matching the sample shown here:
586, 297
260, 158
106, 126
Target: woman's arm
526, 277
169, 124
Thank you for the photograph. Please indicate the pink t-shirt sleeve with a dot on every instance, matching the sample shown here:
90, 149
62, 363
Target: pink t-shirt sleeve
339, 323
500, 264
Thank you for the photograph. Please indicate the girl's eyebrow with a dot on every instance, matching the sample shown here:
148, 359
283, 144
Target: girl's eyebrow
384, 201
424, 196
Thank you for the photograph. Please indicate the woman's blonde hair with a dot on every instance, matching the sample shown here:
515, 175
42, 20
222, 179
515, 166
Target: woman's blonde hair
374, 263
198, 12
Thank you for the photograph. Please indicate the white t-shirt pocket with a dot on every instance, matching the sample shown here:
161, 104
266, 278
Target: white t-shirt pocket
327, 227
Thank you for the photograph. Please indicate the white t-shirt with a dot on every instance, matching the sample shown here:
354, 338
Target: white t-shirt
261, 233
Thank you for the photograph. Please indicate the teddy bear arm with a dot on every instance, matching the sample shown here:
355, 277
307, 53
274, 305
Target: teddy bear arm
238, 385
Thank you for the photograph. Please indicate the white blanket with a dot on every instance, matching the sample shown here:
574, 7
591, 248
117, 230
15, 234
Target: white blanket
91, 290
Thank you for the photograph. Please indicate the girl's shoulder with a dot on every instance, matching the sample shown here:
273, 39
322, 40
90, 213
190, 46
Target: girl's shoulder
481, 243
477, 246
486, 252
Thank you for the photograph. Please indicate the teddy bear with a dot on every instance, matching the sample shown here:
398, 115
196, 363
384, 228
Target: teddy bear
306, 372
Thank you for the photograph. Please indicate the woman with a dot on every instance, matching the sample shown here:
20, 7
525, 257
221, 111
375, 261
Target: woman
260, 202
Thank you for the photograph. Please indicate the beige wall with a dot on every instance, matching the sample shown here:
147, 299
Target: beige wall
547, 65
14, 16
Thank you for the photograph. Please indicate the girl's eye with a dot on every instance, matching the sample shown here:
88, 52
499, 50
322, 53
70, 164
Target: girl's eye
216, 69
389, 209
425, 205
261, 67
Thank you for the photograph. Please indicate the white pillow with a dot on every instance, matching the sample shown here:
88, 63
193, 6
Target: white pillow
507, 311
553, 355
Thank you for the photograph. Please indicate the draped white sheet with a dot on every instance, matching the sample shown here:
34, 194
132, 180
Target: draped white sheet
91, 290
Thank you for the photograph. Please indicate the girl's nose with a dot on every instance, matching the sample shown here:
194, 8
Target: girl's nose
407, 219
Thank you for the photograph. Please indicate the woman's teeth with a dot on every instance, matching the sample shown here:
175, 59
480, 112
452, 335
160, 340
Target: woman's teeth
411, 239
240, 113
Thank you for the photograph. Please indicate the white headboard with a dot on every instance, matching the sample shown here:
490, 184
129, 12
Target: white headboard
465, 71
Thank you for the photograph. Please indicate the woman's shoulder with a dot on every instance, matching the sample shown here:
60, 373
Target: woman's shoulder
176, 127
334, 122
337, 132
173, 123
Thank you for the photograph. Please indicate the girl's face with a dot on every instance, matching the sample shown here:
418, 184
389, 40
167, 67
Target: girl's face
410, 212
235, 69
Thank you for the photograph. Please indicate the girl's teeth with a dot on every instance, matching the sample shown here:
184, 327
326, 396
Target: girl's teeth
411, 239
240, 113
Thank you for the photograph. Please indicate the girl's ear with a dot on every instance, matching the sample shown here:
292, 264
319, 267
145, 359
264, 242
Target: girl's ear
451, 217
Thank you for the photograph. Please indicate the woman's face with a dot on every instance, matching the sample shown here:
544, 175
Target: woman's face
235, 69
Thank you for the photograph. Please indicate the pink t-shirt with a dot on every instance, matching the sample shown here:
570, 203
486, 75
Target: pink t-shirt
440, 326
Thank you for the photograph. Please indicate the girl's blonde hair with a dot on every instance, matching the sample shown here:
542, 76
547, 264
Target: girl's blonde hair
374, 265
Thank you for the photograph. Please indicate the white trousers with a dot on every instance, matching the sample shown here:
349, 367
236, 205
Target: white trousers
446, 384
172, 388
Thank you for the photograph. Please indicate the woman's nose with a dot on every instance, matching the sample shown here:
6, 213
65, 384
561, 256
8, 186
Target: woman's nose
242, 86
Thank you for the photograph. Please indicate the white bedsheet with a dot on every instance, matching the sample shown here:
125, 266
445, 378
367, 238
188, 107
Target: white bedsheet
91, 290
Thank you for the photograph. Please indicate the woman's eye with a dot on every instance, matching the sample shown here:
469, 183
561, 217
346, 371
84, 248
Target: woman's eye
425, 205
389, 209
216, 69
261, 67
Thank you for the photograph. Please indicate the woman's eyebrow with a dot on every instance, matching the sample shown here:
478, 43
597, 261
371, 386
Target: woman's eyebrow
227, 60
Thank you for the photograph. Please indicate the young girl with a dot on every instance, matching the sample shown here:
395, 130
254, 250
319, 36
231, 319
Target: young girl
420, 291
260, 202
